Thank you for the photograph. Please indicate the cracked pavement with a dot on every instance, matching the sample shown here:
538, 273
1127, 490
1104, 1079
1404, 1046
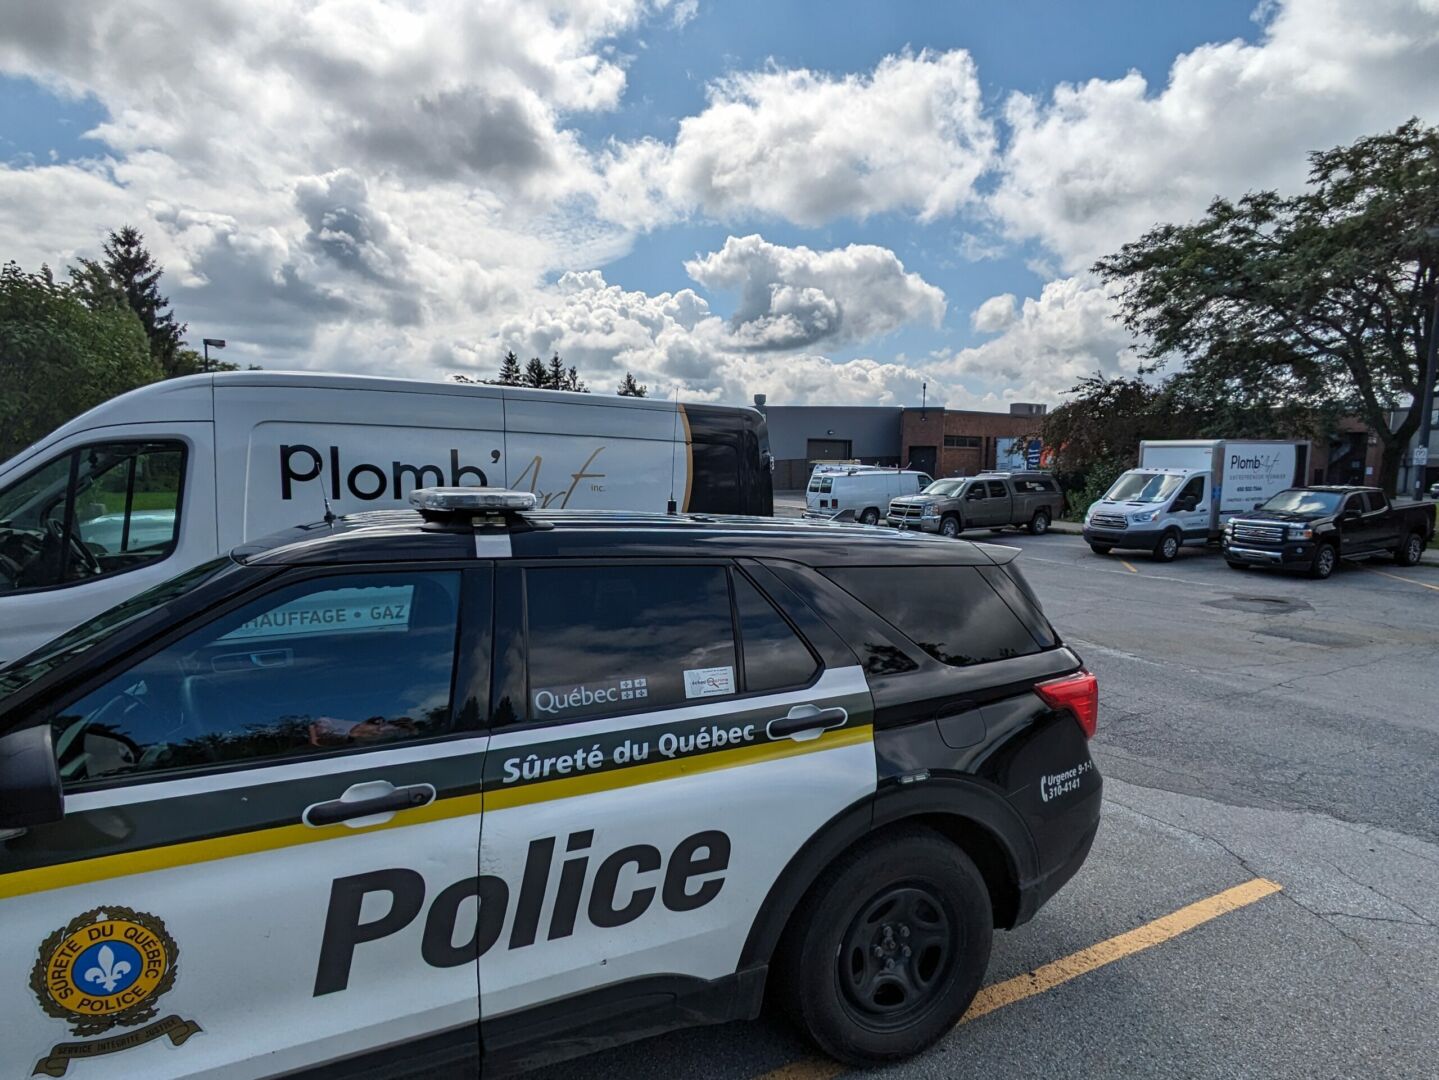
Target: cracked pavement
1295, 742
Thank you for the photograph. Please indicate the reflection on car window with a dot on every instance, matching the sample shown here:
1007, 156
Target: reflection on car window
1142, 487
1295, 501
606, 639
97, 510
336, 663
774, 656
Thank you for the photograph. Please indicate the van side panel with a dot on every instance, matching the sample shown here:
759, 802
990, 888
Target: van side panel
284, 449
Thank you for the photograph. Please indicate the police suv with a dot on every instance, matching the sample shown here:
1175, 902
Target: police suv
401, 789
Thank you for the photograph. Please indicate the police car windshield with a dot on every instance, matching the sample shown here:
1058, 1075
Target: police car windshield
73, 642
944, 487
1295, 501
1143, 487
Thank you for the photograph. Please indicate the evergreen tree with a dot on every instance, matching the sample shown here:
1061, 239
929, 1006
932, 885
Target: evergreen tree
535, 374
510, 374
573, 382
630, 388
136, 274
555, 375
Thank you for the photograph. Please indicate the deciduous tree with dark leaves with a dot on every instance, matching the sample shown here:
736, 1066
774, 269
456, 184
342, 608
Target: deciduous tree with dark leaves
1306, 302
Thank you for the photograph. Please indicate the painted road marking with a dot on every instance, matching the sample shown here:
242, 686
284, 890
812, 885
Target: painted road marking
1128, 566
1047, 977
1396, 577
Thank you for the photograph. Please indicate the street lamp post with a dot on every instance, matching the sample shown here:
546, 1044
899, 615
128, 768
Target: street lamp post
208, 344
1420, 458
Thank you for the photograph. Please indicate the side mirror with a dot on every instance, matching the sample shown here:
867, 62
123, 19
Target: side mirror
30, 792
1259, 506
1350, 515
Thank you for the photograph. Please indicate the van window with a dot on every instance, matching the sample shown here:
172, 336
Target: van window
330, 664
774, 656
95, 511
608, 639
950, 612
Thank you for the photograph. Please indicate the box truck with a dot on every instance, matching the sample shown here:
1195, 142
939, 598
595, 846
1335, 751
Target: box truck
171, 475
1185, 490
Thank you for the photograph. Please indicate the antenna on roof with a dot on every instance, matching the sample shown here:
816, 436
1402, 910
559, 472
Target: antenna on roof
671, 507
330, 517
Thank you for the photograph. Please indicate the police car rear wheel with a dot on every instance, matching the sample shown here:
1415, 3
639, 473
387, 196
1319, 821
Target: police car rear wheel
888, 949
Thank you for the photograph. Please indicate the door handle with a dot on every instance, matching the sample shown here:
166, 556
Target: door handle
376, 799
805, 722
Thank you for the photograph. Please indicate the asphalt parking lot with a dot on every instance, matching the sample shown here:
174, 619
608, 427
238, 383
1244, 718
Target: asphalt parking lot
1263, 897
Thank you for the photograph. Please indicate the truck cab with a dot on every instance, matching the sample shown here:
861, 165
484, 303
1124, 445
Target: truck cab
1155, 510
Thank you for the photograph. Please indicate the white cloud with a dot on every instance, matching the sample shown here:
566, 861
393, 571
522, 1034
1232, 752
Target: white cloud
808, 147
1099, 163
1046, 346
794, 297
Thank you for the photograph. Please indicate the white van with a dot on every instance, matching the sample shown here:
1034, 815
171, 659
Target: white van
173, 474
865, 489
1184, 490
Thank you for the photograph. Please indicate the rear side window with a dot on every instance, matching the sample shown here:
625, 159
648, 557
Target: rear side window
774, 656
607, 639
950, 612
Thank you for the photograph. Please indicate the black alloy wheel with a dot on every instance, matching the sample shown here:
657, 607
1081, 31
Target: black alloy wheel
895, 956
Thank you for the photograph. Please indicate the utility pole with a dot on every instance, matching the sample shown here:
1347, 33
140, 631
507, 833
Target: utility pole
1420, 458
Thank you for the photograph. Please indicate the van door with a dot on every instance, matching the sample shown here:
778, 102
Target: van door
1190, 508
267, 858
104, 516
653, 772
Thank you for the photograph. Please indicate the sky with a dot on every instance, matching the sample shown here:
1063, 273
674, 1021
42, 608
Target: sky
837, 203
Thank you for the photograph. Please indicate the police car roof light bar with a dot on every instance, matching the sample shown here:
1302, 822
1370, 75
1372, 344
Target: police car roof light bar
465, 501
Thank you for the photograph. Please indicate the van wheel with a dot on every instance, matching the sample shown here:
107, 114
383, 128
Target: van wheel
1325, 560
1101, 549
870, 516
1039, 524
949, 526
1411, 551
1168, 547
888, 948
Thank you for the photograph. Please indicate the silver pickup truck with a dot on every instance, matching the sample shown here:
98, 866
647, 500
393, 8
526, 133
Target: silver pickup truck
988, 501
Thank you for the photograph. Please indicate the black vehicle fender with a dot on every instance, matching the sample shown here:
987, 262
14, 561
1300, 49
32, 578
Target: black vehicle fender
973, 815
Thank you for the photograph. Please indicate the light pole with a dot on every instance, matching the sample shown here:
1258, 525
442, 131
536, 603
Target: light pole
208, 344
1420, 458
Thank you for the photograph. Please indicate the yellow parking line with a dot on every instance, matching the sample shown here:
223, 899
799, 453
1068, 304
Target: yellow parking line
1047, 977
1396, 577
1128, 566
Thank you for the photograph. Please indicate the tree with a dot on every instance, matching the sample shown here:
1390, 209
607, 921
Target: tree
59, 356
574, 382
129, 270
535, 374
629, 388
1298, 306
555, 374
509, 370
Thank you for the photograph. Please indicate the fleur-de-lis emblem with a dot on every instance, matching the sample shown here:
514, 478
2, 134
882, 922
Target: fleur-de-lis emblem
109, 972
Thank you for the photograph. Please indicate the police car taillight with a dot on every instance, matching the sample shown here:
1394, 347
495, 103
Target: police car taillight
471, 500
1077, 694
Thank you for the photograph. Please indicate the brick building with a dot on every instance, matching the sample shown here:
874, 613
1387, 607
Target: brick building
962, 442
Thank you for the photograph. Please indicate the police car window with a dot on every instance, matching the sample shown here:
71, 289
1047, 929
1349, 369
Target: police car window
607, 639
331, 664
774, 656
950, 612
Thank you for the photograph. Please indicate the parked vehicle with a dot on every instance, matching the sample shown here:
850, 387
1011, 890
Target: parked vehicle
720, 761
168, 476
863, 489
1185, 490
989, 501
1313, 528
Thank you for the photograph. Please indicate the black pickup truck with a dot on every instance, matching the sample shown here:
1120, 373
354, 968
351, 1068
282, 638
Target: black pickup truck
1312, 528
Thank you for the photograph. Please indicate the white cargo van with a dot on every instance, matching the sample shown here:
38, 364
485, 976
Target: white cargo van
1185, 490
865, 489
173, 474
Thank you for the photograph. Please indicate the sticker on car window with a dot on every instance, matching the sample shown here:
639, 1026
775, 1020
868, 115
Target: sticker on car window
709, 682
620, 693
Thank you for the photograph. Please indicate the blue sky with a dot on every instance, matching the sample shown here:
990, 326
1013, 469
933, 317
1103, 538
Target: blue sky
832, 202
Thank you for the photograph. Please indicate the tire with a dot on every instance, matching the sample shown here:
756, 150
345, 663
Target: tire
870, 516
1039, 524
949, 526
1411, 551
1167, 550
912, 901
1326, 558
1101, 549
